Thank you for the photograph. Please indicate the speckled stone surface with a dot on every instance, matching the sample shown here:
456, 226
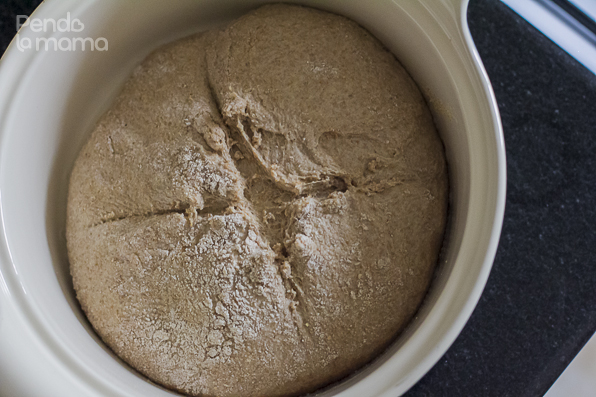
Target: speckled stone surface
539, 306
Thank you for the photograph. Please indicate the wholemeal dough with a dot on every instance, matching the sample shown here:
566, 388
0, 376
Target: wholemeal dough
261, 210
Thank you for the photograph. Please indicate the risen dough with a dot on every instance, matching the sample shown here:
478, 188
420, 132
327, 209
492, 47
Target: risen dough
260, 211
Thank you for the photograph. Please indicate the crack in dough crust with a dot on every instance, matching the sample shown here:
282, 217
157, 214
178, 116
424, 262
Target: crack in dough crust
261, 210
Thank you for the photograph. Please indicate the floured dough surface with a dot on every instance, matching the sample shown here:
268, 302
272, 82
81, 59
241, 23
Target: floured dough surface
261, 210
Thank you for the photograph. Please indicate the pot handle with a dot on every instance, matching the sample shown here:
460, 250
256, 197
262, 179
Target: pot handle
458, 5
459, 9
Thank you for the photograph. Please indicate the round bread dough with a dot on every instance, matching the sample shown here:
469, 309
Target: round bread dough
261, 210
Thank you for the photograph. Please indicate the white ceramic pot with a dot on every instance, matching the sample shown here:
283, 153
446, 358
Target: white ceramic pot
50, 100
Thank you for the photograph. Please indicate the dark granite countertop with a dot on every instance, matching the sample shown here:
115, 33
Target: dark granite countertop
539, 306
